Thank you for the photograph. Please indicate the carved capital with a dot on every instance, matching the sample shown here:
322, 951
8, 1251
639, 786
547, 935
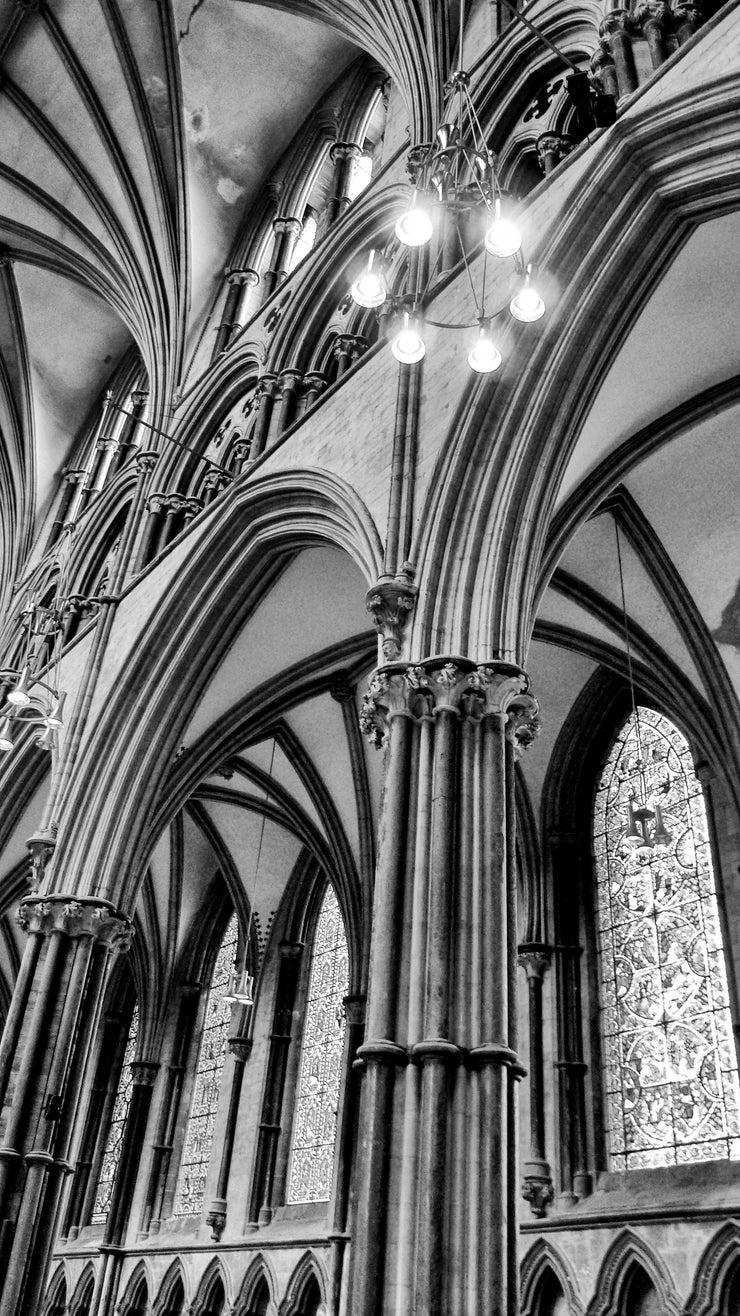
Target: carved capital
535, 960
553, 147
390, 603
216, 479
537, 1187
354, 1009
242, 278
451, 683
345, 151
40, 848
190, 507
286, 224
144, 1072
289, 380
240, 1047
139, 398
146, 461
216, 1218
157, 503
619, 20
76, 917
416, 160
349, 345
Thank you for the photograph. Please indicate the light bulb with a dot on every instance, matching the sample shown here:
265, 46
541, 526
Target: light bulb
502, 237
484, 355
408, 346
20, 695
526, 304
6, 744
414, 226
369, 288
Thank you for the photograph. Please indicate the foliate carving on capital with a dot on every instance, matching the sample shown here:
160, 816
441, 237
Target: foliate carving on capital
390, 604
535, 960
524, 724
82, 917
537, 1187
618, 20
145, 461
451, 683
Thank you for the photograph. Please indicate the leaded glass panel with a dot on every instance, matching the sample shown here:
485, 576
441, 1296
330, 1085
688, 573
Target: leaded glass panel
314, 1127
114, 1141
671, 1079
191, 1183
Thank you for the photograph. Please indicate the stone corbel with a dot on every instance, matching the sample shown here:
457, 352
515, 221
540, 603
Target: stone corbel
537, 1187
40, 848
390, 603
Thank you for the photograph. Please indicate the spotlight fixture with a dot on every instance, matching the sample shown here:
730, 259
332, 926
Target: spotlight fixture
484, 355
370, 288
408, 345
526, 304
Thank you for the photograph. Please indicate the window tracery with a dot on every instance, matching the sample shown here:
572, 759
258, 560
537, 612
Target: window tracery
191, 1182
671, 1080
314, 1128
114, 1141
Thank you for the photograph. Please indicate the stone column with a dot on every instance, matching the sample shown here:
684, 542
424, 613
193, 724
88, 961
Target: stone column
687, 18
616, 37
537, 1189
238, 282
347, 1115
68, 981
551, 149
575, 1180
267, 386
288, 385
314, 384
128, 441
435, 1186
73, 481
286, 230
343, 156
240, 1047
653, 18
347, 348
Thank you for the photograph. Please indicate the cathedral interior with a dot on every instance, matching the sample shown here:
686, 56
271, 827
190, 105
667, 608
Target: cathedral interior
369, 658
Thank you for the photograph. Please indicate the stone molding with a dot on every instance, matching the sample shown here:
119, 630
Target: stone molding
76, 917
456, 684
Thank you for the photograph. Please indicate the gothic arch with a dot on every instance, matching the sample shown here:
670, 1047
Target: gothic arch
82, 1297
718, 1267
172, 1290
627, 1255
541, 1262
56, 1294
226, 577
215, 1276
308, 1272
260, 1273
138, 1289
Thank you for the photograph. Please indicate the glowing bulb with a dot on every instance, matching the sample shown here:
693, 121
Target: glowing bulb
369, 288
526, 304
20, 695
484, 355
408, 345
6, 744
414, 227
503, 237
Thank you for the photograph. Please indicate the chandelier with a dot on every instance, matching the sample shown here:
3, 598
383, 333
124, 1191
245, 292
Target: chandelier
455, 181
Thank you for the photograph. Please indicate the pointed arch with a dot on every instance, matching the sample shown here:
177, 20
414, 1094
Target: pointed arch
258, 1282
56, 1293
83, 1294
627, 1257
173, 1292
718, 1272
214, 1291
306, 1291
136, 1296
541, 1265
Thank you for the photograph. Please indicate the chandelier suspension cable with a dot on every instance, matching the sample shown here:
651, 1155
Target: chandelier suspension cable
242, 990
177, 442
628, 647
517, 13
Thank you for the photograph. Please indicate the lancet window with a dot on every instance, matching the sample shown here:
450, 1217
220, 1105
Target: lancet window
191, 1183
314, 1128
671, 1077
114, 1141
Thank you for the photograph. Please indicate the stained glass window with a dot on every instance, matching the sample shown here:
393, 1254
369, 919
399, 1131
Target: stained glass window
671, 1078
114, 1141
314, 1126
191, 1183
